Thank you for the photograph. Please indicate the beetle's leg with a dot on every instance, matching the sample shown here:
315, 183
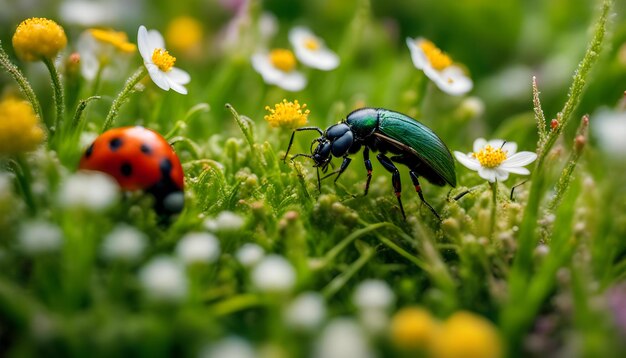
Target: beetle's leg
321, 132
395, 178
368, 167
319, 181
344, 164
301, 155
418, 189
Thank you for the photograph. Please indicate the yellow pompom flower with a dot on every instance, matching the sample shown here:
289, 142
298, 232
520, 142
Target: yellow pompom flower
19, 127
287, 114
184, 33
413, 328
38, 38
467, 335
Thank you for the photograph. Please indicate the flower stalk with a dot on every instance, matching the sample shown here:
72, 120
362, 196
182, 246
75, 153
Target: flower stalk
128, 89
59, 98
21, 80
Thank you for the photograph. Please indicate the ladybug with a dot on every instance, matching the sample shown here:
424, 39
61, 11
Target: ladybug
139, 159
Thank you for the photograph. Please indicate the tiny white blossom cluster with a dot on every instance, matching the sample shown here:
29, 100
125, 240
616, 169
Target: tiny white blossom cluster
278, 66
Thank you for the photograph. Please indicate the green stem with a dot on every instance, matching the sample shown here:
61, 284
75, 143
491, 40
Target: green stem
129, 86
198, 108
59, 99
494, 208
21, 80
24, 179
338, 282
79, 111
332, 253
527, 238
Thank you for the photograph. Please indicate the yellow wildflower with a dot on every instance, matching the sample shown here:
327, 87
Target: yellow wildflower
287, 114
38, 38
19, 127
184, 33
467, 335
118, 39
413, 328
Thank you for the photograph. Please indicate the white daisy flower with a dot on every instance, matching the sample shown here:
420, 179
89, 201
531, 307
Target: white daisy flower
495, 159
229, 347
90, 190
278, 67
164, 279
609, 127
311, 49
159, 62
342, 337
439, 67
274, 274
249, 254
124, 243
373, 294
306, 312
224, 221
198, 247
39, 236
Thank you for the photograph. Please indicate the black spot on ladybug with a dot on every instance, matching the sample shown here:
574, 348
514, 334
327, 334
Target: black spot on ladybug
145, 149
166, 167
89, 151
115, 144
126, 169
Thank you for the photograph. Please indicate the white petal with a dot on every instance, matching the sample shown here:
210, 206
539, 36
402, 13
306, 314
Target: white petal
178, 75
299, 34
158, 77
467, 161
479, 144
417, 55
487, 174
510, 148
321, 59
177, 87
262, 64
143, 43
453, 81
156, 40
293, 81
519, 159
496, 143
501, 174
516, 170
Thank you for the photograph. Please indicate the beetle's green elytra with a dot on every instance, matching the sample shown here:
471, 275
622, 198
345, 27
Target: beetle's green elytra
381, 130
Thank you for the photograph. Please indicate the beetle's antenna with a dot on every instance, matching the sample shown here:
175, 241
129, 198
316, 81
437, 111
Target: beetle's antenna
514, 187
319, 130
503, 143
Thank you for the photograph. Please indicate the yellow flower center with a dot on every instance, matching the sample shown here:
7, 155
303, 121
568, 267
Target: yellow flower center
489, 157
163, 59
19, 127
38, 38
312, 43
118, 39
287, 114
437, 58
283, 59
184, 33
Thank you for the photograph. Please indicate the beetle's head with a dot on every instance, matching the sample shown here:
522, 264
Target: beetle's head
322, 153
336, 141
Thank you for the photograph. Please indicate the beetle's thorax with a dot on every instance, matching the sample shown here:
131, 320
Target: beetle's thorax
363, 122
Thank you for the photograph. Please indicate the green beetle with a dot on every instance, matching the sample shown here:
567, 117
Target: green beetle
412, 143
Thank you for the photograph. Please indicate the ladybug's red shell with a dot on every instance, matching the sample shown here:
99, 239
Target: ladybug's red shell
138, 158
